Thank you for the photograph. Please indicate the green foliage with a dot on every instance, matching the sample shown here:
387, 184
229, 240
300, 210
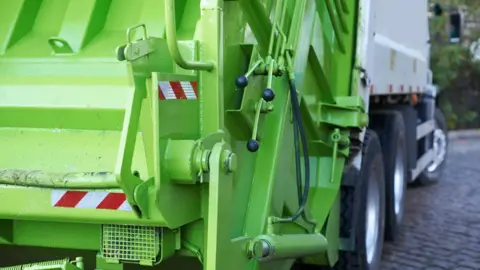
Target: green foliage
455, 71
446, 60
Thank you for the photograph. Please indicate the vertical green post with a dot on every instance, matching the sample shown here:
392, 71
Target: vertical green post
211, 83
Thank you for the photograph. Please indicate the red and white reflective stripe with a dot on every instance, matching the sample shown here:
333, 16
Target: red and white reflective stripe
168, 90
90, 200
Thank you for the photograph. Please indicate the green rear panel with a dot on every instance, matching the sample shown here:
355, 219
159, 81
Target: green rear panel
123, 131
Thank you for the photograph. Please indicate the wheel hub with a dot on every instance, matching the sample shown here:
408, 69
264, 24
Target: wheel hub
399, 185
439, 148
372, 219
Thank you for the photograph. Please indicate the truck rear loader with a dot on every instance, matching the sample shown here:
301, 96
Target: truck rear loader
209, 134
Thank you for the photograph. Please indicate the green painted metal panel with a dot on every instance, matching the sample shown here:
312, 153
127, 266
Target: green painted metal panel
125, 116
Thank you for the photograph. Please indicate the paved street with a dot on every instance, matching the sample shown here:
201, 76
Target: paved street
442, 222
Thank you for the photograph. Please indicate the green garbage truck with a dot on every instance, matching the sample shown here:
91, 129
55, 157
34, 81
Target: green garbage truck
209, 134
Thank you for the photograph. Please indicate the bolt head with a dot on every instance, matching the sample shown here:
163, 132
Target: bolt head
231, 162
261, 249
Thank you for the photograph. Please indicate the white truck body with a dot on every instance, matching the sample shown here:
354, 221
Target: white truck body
393, 47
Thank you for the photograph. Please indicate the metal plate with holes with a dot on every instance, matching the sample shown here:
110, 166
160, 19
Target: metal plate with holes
131, 243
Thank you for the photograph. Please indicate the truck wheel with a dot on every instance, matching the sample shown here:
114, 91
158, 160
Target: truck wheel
391, 129
368, 204
434, 170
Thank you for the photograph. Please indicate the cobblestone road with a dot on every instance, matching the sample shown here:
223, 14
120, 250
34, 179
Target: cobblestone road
441, 229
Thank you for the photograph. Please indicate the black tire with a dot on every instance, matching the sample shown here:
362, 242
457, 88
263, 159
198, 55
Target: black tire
390, 128
372, 172
355, 201
432, 177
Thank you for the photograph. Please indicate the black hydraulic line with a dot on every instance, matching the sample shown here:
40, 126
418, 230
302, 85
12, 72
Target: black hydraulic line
299, 129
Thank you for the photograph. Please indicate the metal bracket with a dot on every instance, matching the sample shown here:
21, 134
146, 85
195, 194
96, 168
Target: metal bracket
135, 189
218, 219
137, 50
141, 47
336, 136
344, 117
363, 76
134, 50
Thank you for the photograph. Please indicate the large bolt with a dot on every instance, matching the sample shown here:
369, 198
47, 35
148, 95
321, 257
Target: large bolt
344, 142
230, 161
260, 249
204, 160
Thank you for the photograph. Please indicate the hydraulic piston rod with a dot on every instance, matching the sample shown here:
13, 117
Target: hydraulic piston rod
273, 247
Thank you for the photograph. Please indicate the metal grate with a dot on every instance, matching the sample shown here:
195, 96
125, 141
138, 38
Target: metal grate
131, 243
